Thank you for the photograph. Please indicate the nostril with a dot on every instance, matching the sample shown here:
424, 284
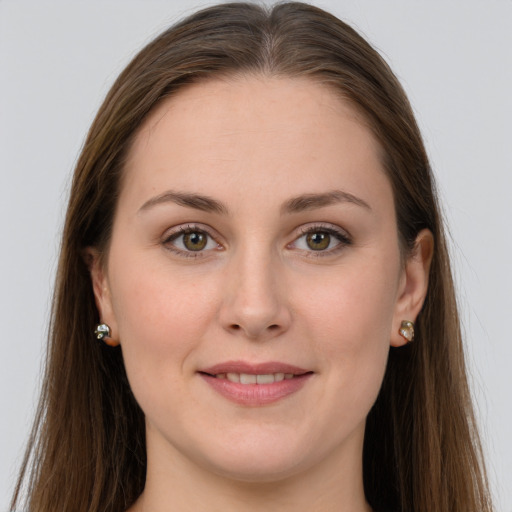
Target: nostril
273, 327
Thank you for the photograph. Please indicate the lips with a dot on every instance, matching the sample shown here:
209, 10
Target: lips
255, 384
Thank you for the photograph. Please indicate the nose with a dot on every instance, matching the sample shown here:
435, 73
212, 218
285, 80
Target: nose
255, 304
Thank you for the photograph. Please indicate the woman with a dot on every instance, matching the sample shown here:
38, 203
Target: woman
252, 224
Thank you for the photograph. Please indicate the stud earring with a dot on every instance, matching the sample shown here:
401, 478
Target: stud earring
102, 333
407, 330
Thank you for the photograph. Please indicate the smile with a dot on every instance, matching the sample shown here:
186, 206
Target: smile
255, 384
248, 378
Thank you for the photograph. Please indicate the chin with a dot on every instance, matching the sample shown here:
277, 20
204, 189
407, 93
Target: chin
259, 471
260, 460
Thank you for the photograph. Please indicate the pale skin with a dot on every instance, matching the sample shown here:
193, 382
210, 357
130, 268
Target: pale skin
275, 275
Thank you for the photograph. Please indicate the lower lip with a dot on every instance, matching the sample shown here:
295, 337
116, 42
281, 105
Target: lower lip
256, 394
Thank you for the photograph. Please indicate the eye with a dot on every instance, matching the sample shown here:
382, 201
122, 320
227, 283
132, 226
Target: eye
321, 239
195, 241
318, 241
190, 239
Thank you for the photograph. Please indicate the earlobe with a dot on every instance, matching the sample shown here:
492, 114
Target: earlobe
101, 290
414, 286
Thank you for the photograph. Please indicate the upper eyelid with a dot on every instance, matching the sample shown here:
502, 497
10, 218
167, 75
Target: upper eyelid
343, 236
324, 226
172, 234
181, 229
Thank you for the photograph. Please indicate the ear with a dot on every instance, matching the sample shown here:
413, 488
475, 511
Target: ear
101, 289
413, 284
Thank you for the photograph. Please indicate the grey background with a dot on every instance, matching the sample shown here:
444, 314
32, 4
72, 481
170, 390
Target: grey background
57, 60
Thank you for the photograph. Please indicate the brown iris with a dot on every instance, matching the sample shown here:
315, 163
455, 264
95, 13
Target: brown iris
194, 241
318, 241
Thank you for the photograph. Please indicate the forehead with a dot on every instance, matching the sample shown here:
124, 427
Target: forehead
238, 101
291, 135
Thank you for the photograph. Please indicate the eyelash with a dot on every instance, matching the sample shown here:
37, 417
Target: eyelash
182, 231
341, 236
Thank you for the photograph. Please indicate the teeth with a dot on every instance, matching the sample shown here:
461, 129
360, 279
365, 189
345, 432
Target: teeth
247, 378
265, 379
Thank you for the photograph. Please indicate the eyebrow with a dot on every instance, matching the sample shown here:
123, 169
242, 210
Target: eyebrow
311, 201
189, 200
297, 204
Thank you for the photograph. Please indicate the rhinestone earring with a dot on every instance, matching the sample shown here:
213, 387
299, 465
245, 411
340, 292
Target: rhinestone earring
102, 333
407, 330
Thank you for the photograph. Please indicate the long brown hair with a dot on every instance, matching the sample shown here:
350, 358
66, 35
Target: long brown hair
87, 449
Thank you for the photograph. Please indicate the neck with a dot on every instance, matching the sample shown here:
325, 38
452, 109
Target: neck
176, 483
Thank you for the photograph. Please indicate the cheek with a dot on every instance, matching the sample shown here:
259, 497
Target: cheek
162, 315
354, 304
350, 321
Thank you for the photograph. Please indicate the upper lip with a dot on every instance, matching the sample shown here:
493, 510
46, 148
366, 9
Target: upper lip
254, 368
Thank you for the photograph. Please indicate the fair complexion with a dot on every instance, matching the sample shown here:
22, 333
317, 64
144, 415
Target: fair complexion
256, 226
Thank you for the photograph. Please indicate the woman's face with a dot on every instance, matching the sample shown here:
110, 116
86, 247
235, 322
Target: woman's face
255, 240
